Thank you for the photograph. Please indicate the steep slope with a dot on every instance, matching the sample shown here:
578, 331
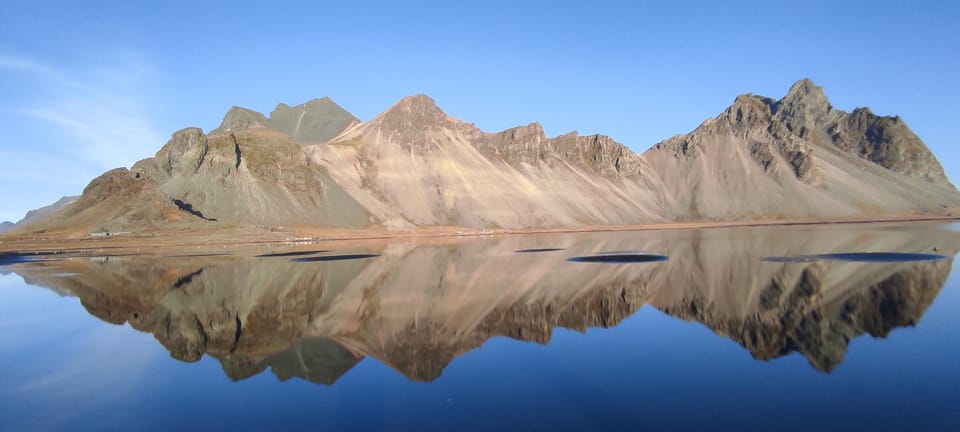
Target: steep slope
798, 157
885, 141
251, 176
415, 165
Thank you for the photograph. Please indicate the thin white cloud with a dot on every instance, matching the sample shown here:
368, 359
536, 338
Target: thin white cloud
98, 114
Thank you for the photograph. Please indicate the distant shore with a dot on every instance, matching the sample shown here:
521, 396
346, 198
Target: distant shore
251, 237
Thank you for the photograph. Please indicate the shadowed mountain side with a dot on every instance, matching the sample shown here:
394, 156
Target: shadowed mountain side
417, 308
250, 176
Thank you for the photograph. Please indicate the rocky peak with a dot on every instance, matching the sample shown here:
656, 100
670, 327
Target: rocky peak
888, 142
598, 153
317, 120
748, 112
418, 111
532, 133
521, 144
239, 118
804, 109
805, 91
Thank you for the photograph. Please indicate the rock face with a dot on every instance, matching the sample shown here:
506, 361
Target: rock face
798, 157
885, 141
417, 308
315, 165
252, 176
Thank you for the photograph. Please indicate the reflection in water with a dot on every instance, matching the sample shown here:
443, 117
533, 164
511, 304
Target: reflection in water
416, 308
290, 254
860, 257
619, 258
335, 257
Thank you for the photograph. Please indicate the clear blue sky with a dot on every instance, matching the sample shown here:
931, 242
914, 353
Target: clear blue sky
88, 86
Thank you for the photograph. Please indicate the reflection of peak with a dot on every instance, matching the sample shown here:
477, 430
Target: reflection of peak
318, 360
418, 309
791, 315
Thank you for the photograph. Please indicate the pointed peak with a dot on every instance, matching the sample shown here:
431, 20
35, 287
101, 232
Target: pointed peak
418, 102
238, 118
804, 107
748, 107
808, 93
320, 101
417, 110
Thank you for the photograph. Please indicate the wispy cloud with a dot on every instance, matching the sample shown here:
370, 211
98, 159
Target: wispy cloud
97, 113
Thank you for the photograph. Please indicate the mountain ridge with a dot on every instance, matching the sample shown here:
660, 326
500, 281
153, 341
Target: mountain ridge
413, 165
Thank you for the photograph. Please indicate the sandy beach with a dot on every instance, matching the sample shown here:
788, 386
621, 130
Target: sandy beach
241, 237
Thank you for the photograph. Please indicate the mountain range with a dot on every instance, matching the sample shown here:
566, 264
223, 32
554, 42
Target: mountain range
317, 165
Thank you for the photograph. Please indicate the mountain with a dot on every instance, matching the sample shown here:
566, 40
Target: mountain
39, 214
42, 212
413, 165
112, 203
315, 165
249, 176
417, 307
798, 157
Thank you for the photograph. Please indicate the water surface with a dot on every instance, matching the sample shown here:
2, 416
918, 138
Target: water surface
469, 334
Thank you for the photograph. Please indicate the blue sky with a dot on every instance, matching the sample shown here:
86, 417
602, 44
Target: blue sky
88, 86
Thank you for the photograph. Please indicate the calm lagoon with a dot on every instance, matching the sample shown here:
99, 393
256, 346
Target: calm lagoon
836, 327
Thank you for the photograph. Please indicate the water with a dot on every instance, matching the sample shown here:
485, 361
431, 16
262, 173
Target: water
477, 334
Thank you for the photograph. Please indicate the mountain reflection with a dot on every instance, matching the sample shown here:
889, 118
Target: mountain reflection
417, 307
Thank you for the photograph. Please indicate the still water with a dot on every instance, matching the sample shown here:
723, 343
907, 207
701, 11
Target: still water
847, 327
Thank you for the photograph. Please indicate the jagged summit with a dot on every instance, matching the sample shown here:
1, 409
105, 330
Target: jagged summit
240, 118
317, 120
314, 121
806, 90
805, 109
417, 111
